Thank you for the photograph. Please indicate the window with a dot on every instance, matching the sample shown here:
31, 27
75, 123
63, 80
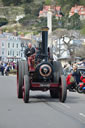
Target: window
17, 45
8, 45
8, 53
17, 53
2, 52
21, 54
2, 44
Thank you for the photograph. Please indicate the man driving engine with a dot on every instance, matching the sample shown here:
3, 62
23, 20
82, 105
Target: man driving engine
29, 50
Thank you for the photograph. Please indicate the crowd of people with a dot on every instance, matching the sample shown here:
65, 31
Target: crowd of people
73, 74
5, 67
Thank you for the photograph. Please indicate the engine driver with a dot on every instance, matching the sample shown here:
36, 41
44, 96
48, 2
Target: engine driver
29, 50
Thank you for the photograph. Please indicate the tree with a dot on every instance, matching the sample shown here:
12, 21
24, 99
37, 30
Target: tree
83, 28
3, 21
27, 20
70, 2
80, 52
75, 22
33, 9
9, 2
65, 36
47, 2
15, 2
69, 46
82, 2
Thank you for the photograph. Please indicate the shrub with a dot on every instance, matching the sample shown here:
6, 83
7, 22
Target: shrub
3, 21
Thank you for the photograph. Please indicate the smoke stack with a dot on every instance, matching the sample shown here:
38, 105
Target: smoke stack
45, 42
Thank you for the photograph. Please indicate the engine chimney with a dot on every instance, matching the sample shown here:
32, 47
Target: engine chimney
45, 42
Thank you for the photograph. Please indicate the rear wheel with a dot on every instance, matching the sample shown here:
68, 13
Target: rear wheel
54, 93
24, 70
62, 89
19, 79
26, 89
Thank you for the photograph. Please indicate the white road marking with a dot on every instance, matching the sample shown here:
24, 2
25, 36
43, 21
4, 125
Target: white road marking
81, 114
65, 105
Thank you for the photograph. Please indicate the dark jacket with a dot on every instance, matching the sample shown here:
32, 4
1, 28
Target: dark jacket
77, 76
29, 51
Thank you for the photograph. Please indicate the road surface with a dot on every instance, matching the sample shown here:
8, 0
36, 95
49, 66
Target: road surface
42, 111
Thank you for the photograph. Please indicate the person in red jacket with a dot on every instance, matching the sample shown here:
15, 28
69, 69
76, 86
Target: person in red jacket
70, 81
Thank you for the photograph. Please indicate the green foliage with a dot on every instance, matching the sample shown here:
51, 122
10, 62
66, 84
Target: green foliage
3, 21
82, 31
11, 2
42, 22
15, 2
75, 22
47, 2
68, 4
54, 23
33, 9
28, 19
70, 23
82, 2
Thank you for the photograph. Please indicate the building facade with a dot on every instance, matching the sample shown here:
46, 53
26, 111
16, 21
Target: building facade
10, 47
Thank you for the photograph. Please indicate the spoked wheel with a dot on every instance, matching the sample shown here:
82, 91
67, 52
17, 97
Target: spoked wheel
24, 70
26, 89
57, 71
79, 89
54, 93
19, 80
63, 89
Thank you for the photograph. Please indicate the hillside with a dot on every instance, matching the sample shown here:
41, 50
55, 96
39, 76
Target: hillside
10, 9
11, 12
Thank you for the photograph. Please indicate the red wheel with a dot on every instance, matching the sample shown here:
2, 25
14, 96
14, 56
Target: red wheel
26, 89
22, 69
19, 79
62, 89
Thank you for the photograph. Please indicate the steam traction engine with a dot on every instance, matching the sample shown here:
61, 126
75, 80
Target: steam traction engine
41, 72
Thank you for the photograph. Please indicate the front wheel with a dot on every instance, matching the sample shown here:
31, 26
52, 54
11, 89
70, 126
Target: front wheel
62, 89
19, 79
54, 93
26, 89
79, 89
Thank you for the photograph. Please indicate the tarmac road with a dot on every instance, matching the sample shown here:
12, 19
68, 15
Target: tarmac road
42, 111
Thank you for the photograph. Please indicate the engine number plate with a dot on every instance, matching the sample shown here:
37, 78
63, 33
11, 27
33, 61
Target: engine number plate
44, 85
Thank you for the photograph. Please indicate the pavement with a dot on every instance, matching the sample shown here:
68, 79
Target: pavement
42, 111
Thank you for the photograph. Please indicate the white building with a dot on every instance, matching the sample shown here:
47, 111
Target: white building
10, 47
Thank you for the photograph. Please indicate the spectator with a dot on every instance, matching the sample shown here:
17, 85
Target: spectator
71, 84
2, 68
7, 69
76, 73
67, 69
